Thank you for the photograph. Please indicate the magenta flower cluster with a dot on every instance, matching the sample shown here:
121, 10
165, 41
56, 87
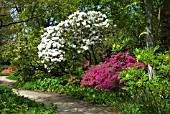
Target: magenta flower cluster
87, 64
105, 76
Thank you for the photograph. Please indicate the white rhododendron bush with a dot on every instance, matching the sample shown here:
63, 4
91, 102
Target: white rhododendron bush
80, 31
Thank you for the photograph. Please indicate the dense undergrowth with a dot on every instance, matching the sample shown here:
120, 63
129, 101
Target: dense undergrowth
11, 103
120, 101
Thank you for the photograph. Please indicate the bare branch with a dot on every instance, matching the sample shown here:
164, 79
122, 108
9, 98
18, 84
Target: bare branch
0, 23
30, 18
12, 23
2, 15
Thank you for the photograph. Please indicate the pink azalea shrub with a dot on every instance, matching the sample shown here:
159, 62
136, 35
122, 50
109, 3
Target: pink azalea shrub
105, 76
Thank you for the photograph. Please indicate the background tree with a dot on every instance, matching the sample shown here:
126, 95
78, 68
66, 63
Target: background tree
150, 37
165, 24
28, 18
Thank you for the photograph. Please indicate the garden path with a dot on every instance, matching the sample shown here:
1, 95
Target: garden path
66, 104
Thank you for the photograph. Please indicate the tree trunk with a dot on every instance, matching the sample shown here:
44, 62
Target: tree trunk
149, 37
165, 25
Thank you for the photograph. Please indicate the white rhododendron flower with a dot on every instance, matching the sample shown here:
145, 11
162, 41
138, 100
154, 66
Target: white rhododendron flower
78, 32
85, 47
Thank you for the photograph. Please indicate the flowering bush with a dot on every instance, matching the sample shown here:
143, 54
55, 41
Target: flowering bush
9, 70
154, 93
105, 76
75, 34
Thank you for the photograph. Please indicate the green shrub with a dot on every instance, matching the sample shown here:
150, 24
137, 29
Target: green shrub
12, 77
152, 95
46, 84
11, 103
5, 89
22, 54
2, 67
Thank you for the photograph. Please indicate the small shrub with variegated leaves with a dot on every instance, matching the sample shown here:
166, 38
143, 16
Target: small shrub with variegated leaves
105, 76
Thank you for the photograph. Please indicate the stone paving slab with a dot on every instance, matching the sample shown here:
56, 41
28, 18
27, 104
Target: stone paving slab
66, 104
